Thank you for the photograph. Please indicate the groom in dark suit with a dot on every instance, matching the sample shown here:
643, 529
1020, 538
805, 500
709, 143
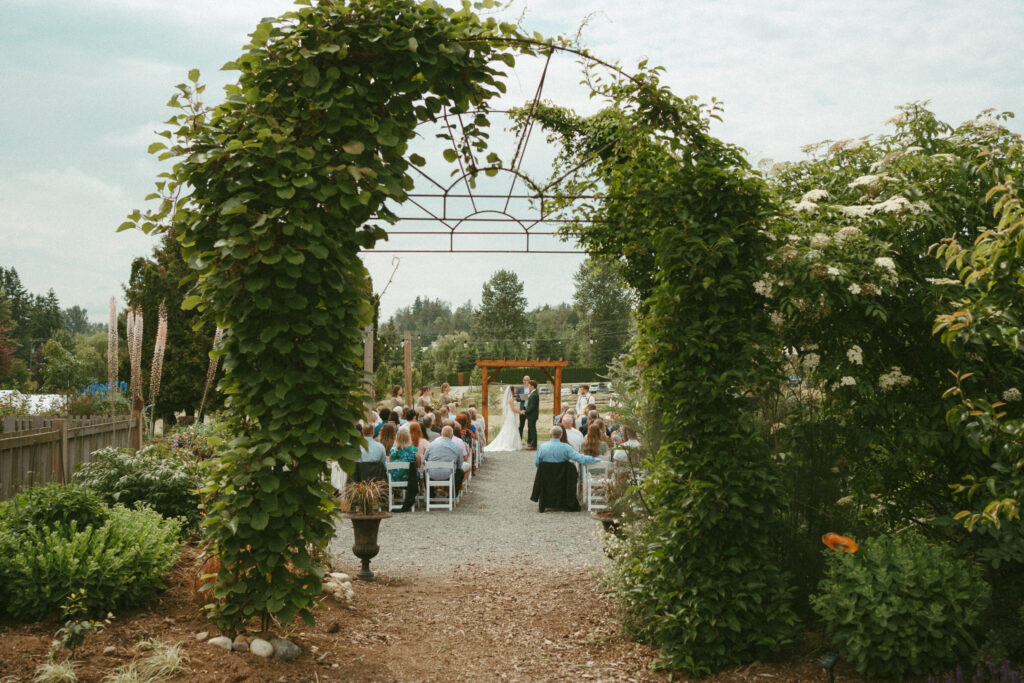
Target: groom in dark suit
531, 410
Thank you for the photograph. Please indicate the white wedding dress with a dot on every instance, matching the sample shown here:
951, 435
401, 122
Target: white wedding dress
508, 438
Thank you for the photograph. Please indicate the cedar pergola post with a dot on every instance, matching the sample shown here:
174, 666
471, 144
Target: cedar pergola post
544, 366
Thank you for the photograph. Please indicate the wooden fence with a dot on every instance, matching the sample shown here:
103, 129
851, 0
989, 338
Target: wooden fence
37, 450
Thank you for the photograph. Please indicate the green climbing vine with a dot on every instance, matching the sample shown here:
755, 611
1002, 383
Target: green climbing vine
271, 197
702, 576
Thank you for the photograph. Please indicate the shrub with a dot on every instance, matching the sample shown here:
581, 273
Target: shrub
116, 564
199, 440
53, 506
151, 476
901, 606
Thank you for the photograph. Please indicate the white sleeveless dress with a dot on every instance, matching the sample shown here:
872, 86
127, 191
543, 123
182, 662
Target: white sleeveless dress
508, 438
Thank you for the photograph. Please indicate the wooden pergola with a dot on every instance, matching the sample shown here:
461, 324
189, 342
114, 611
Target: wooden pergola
543, 365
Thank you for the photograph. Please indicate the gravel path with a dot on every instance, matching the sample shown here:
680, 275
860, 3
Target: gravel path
495, 525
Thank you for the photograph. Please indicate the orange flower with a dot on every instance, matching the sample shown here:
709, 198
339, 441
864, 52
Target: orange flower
837, 542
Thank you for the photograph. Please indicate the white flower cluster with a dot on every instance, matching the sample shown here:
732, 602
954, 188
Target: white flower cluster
913, 149
854, 288
1011, 395
897, 119
889, 269
777, 318
847, 233
764, 286
942, 281
886, 263
948, 158
869, 181
855, 355
819, 240
893, 378
814, 195
894, 205
847, 381
809, 207
833, 271
856, 211
810, 361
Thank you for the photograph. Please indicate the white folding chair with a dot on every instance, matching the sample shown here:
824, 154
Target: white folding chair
595, 485
430, 483
392, 485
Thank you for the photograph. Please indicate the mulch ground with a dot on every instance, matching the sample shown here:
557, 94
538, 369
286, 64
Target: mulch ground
471, 625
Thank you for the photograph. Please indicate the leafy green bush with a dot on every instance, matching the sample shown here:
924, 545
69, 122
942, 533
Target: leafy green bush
53, 506
900, 606
198, 440
117, 564
151, 476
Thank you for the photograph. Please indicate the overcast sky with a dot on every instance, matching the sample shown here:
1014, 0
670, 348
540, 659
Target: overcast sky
85, 83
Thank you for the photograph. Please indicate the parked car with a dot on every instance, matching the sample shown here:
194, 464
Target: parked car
544, 389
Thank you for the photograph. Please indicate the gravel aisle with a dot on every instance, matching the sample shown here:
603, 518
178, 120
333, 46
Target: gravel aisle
495, 525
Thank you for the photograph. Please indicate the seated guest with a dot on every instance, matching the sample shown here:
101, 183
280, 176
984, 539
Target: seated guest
445, 449
385, 416
373, 451
428, 427
554, 485
409, 415
627, 449
425, 400
554, 451
590, 416
419, 441
460, 439
405, 451
573, 436
387, 436
595, 443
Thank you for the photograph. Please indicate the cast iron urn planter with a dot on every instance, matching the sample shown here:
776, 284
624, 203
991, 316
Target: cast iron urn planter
365, 548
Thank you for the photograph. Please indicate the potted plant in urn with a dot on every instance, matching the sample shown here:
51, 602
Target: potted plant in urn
365, 503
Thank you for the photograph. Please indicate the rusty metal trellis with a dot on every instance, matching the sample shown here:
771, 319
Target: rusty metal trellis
446, 222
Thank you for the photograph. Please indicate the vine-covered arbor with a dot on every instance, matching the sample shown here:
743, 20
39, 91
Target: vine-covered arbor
274, 193
545, 366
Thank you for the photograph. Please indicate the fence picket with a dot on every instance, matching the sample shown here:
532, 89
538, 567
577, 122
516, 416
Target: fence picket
36, 449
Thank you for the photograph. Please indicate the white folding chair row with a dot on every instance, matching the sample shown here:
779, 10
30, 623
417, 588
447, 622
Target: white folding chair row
596, 478
430, 483
392, 484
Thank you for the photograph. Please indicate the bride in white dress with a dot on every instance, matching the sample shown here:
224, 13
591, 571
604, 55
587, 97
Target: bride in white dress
508, 438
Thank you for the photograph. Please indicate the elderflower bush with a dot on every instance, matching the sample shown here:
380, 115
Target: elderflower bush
852, 292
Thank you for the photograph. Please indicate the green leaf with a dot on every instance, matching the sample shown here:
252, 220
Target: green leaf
311, 75
450, 155
155, 147
355, 148
193, 75
286, 192
417, 160
259, 520
190, 302
413, 44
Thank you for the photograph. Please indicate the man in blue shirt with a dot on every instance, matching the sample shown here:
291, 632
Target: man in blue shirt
556, 451
374, 450
445, 449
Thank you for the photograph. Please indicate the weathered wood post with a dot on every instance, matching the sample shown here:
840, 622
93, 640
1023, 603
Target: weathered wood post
483, 398
368, 369
408, 367
137, 423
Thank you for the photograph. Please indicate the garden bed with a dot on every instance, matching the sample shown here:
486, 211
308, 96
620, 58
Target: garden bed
472, 624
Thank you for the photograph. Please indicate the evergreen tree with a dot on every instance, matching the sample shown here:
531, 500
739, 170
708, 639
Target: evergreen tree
501, 324
604, 304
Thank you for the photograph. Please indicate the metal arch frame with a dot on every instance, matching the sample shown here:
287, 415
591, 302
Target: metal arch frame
453, 126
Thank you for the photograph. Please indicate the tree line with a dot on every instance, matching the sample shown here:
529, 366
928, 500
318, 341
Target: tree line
590, 331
